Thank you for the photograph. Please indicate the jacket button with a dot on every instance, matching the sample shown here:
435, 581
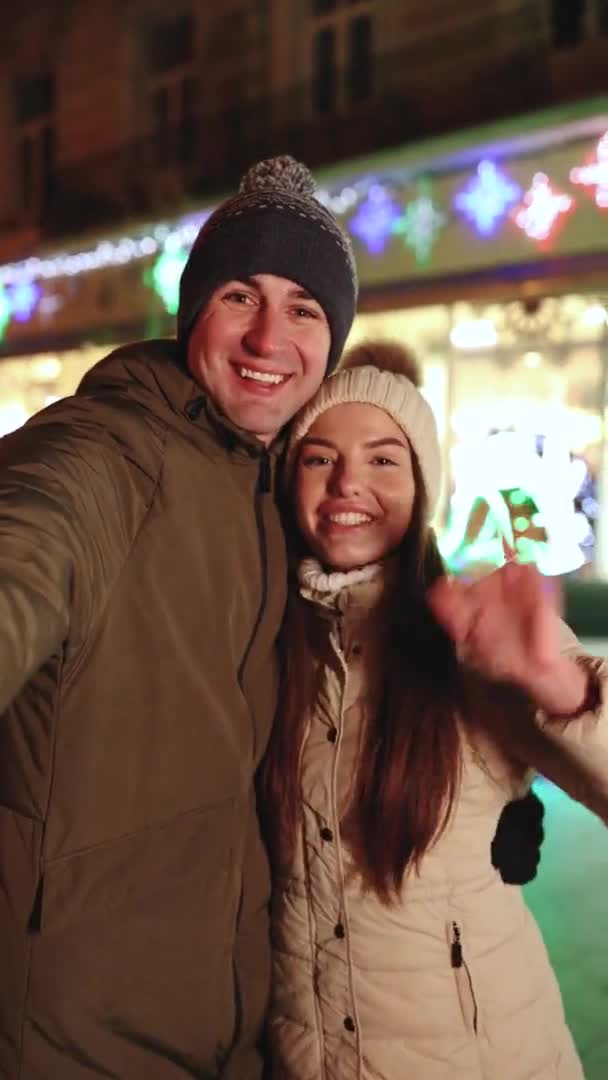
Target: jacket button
332, 734
339, 930
349, 1023
356, 650
326, 834
194, 408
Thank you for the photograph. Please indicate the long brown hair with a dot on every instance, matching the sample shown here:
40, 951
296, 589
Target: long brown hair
409, 767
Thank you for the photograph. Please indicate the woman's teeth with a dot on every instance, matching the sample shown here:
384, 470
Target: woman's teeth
261, 376
350, 519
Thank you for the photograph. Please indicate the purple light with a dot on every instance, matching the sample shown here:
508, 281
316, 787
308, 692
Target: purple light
374, 220
23, 299
486, 199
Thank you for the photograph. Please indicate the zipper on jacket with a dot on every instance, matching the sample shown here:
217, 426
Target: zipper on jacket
459, 964
456, 946
265, 475
263, 487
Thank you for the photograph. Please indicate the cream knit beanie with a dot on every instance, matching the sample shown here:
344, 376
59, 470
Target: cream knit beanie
389, 390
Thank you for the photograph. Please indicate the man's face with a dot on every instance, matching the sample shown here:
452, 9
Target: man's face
260, 348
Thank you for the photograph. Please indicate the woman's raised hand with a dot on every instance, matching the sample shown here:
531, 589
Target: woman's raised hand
507, 626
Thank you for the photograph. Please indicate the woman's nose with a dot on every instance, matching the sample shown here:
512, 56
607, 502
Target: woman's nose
344, 481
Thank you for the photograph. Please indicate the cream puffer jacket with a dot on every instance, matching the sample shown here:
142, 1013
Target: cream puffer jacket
453, 982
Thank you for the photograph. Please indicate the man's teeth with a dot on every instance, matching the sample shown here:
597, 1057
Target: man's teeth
261, 376
350, 519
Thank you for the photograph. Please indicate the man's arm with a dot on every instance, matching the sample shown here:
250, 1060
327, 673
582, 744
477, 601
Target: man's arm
64, 533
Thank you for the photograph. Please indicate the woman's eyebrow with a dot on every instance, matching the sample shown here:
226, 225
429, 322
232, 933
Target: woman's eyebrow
312, 440
375, 443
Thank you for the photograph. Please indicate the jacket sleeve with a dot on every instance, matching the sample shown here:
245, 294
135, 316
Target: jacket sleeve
572, 752
63, 532
251, 959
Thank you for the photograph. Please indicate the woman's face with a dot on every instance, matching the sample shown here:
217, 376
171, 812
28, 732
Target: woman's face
354, 486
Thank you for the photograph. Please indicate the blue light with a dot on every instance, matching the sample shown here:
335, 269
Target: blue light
486, 199
374, 220
23, 299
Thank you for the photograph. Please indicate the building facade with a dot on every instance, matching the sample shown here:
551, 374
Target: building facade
466, 152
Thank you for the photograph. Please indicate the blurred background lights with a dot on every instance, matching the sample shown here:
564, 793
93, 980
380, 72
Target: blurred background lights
474, 334
487, 197
532, 359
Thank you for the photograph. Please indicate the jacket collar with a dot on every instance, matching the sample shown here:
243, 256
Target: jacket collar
154, 374
338, 592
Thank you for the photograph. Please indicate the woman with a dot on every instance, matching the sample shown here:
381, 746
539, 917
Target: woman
414, 709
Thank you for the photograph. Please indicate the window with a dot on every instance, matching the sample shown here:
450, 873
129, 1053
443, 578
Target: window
601, 16
359, 58
171, 88
568, 20
169, 44
35, 124
324, 70
341, 54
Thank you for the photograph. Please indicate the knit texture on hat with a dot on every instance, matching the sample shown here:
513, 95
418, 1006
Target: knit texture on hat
274, 225
392, 392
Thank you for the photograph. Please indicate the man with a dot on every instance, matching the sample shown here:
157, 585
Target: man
142, 580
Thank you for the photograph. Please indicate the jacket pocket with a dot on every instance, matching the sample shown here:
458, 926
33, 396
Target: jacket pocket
463, 979
193, 852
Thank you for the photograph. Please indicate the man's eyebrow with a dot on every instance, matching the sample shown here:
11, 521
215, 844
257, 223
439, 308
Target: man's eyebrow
302, 294
250, 281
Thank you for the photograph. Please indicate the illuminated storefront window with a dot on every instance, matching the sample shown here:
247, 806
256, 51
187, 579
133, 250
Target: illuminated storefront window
519, 395
29, 383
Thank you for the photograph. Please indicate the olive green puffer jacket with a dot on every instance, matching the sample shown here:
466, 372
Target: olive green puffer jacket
142, 577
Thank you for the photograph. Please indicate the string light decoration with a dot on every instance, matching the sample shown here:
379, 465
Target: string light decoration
541, 208
487, 197
106, 254
420, 223
595, 174
373, 223
342, 201
375, 209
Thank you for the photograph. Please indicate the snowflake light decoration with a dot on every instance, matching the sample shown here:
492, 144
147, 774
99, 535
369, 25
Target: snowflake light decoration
23, 298
164, 276
595, 174
486, 198
541, 208
374, 220
420, 223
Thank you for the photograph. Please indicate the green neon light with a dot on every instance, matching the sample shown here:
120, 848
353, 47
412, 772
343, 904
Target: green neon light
164, 276
420, 223
5, 312
521, 523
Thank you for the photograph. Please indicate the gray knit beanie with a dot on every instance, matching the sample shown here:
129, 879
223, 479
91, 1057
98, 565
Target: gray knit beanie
274, 225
